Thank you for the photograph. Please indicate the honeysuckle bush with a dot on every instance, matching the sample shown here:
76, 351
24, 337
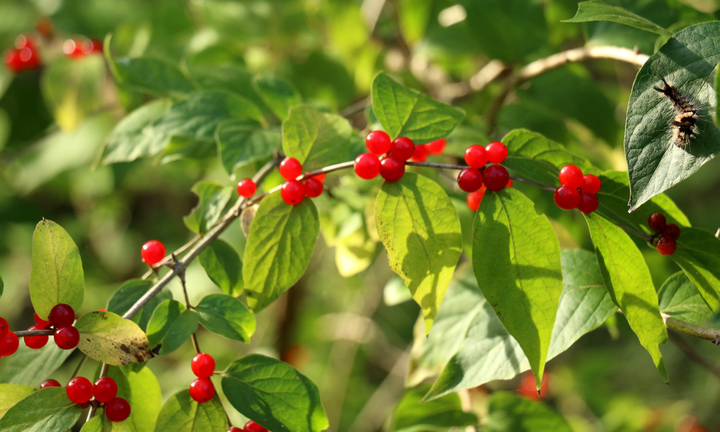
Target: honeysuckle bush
310, 309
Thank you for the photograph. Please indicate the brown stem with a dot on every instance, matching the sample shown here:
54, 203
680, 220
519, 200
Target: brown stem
179, 267
27, 333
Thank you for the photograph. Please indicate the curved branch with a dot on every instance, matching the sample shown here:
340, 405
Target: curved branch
680, 326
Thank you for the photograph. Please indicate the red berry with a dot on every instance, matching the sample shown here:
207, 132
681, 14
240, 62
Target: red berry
292, 192
378, 143
105, 389
67, 337
29, 57
235, 429
72, 49
475, 198
436, 147
392, 169
313, 187
203, 365
202, 390
496, 152
571, 176
90, 46
590, 184
421, 153
319, 177
9, 344
495, 177
402, 148
62, 315
666, 245
567, 198
290, 168
41, 322
246, 188
470, 179
23, 41
117, 410
36, 342
12, 61
251, 426
153, 252
79, 390
588, 203
671, 230
367, 166
657, 222
509, 183
49, 383
476, 156
4, 327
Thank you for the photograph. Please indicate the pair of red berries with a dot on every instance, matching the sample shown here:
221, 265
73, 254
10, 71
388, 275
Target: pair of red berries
202, 389
668, 232
24, 56
392, 166
423, 151
250, 426
80, 391
577, 190
76, 48
66, 336
293, 191
494, 178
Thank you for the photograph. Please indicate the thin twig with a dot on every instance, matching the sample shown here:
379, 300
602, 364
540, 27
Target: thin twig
28, 333
179, 267
79, 366
693, 355
680, 326
355, 108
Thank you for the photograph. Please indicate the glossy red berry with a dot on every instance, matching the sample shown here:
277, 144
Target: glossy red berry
392, 169
571, 176
9, 344
402, 148
657, 222
203, 365
666, 245
235, 429
588, 203
421, 153
476, 156
367, 166
153, 252
202, 390
378, 143
313, 187
36, 342
79, 390
4, 327
91, 46
590, 184
105, 389
23, 41
567, 198
67, 337
671, 230
436, 147
496, 152
49, 383
41, 322
12, 61
470, 179
292, 192
509, 183
71, 48
290, 168
251, 426
318, 177
246, 188
475, 198
117, 410
29, 57
495, 177
62, 315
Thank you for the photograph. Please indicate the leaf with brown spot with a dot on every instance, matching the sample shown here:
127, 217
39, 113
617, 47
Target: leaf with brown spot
111, 339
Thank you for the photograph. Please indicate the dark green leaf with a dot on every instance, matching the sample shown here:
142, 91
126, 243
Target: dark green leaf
241, 143
512, 413
598, 11
445, 412
142, 390
171, 325
314, 138
680, 299
420, 229
213, 197
226, 316
223, 266
277, 94
111, 339
274, 395
129, 293
405, 112
149, 75
31, 367
11, 394
182, 414
43, 411
698, 254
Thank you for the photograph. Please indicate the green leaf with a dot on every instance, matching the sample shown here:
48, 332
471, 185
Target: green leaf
655, 163
11, 394
278, 94
150, 75
226, 316
628, 281
243, 142
223, 266
44, 410
516, 258
273, 394
213, 197
698, 255
420, 229
129, 293
57, 274
314, 138
679, 298
598, 11
171, 325
512, 413
281, 240
2, 286
408, 113
142, 390
445, 412
31, 367
111, 339
182, 414
134, 137
355, 252
101, 423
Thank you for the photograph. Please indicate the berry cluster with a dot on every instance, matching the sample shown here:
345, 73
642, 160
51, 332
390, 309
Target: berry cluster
577, 190
66, 336
392, 166
667, 233
202, 389
479, 178
293, 191
24, 56
423, 151
76, 48
80, 391
153, 252
250, 426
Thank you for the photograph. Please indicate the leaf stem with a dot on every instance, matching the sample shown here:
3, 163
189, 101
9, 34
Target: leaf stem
79, 366
680, 326
181, 276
